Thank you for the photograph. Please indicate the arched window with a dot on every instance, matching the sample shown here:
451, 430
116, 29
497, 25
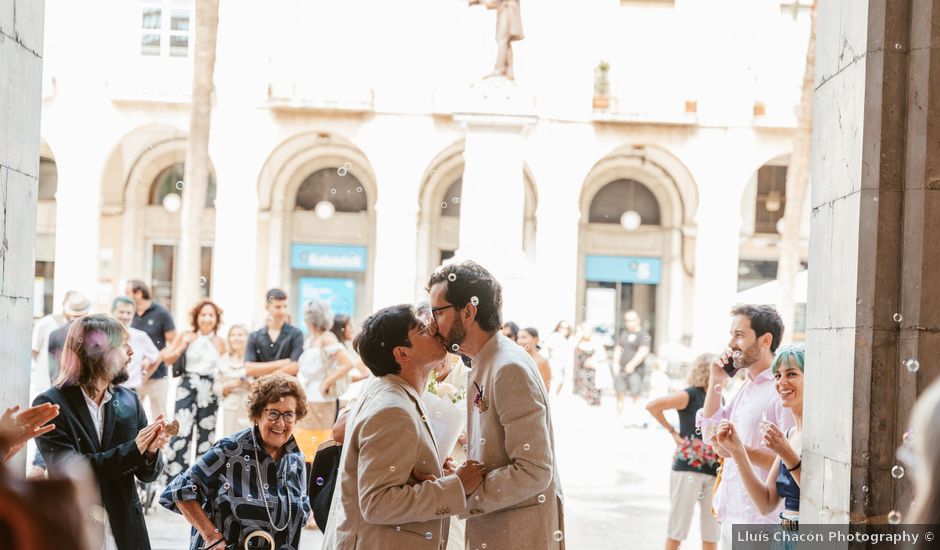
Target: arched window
48, 179
336, 185
771, 198
450, 203
167, 182
623, 195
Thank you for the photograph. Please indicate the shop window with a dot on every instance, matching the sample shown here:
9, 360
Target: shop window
450, 202
170, 181
163, 260
620, 196
48, 179
771, 198
336, 185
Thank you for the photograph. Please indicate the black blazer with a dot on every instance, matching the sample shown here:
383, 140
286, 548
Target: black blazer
115, 460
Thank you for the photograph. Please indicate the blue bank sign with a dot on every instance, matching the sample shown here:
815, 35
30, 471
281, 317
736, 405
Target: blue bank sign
623, 269
325, 257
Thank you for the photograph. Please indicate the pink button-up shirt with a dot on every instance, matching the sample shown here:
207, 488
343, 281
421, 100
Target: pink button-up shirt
746, 410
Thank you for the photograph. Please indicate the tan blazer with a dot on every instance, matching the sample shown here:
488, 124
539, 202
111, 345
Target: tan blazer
377, 502
509, 429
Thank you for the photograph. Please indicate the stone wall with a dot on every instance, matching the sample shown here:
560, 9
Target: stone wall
21, 32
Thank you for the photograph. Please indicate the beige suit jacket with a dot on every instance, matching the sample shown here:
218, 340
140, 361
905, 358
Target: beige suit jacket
509, 429
377, 502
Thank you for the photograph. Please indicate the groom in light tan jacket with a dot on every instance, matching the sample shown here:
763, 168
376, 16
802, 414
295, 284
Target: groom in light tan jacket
519, 505
393, 491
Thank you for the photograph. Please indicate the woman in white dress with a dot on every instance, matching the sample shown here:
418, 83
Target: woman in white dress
231, 383
324, 372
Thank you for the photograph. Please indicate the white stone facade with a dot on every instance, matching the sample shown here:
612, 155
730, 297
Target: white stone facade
389, 89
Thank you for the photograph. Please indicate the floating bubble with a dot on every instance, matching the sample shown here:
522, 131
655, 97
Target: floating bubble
894, 517
897, 472
526, 447
332, 191
398, 528
897, 317
226, 486
428, 535
179, 186
282, 399
908, 436
324, 210
341, 171
913, 365
452, 277
347, 165
876, 199
203, 281
391, 468
528, 347
455, 347
359, 189
483, 441
701, 495
541, 499
455, 200
443, 205
320, 481
475, 301
483, 546
897, 46
864, 488
437, 414
266, 486
558, 536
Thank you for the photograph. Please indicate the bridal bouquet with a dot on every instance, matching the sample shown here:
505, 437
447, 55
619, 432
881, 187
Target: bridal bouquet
447, 408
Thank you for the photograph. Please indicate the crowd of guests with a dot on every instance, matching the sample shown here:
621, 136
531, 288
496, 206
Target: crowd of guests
288, 400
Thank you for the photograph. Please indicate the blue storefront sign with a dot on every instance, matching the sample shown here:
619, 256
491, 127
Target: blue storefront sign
623, 269
328, 257
340, 293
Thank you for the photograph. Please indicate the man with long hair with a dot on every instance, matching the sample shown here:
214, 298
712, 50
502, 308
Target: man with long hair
104, 423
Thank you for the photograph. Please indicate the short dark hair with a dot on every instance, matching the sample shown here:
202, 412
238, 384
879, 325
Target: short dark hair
270, 389
764, 319
467, 280
275, 294
513, 329
121, 300
138, 285
381, 333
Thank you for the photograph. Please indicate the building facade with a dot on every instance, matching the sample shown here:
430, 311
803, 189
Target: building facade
340, 140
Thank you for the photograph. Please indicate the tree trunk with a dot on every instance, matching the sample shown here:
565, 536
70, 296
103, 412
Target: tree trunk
196, 175
797, 189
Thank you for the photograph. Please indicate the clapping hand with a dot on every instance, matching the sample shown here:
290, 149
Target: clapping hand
152, 438
471, 476
20, 428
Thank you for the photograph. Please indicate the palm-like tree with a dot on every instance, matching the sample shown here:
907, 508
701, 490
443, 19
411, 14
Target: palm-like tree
196, 175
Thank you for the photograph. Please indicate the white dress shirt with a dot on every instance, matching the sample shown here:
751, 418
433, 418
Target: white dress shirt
143, 348
97, 416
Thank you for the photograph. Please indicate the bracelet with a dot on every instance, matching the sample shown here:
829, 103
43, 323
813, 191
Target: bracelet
797, 467
214, 544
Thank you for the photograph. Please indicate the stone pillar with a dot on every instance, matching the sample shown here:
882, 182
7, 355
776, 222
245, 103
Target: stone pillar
21, 50
876, 213
492, 208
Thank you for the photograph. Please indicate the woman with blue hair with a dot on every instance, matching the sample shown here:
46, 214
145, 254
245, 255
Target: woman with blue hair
783, 482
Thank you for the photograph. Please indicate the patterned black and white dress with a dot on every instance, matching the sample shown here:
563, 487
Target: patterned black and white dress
225, 482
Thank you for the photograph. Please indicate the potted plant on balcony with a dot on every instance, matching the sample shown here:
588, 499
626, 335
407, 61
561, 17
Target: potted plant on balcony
601, 86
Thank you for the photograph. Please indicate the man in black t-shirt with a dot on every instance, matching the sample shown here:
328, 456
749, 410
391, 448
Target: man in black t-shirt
157, 322
629, 355
277, 346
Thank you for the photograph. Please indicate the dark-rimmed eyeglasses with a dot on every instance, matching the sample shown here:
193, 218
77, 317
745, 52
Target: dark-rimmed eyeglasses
434, 310
273, 414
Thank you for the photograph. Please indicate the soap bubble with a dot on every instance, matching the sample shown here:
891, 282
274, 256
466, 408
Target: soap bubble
913, 365
455, 200
897, 317
475, 301
341, 171
203, 281
443, 205
455, 347
558, 536
541, 499
452, 277
897, 472
526, 447
894, 517
428, 535
179, 186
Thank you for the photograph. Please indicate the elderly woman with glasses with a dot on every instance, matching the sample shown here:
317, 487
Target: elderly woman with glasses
250, 488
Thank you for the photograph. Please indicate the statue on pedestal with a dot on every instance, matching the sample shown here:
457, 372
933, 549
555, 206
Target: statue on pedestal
508, 30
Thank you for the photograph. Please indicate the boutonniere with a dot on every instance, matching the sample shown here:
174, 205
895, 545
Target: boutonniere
479, 401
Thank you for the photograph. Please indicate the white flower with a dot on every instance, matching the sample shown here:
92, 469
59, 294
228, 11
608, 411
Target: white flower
445, 390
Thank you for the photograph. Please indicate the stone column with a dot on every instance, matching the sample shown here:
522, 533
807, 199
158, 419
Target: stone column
21, 50
492, 207
876, 168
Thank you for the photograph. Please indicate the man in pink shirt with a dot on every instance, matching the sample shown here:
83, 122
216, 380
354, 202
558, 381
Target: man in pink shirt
755, 335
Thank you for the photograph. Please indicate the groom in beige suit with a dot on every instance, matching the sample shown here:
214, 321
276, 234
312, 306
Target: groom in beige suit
393, 490
509, 428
